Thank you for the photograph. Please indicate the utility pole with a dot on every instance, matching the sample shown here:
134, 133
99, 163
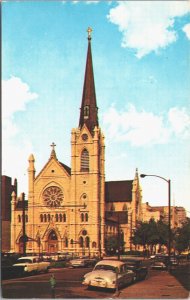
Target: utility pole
131, 223
118, 237
24, 225
100, 245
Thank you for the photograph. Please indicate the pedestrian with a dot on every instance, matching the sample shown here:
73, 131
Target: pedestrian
53, 285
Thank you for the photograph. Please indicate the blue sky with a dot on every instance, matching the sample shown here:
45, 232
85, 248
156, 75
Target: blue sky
141, 63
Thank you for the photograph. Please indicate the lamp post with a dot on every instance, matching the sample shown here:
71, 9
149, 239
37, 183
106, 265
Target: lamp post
169, 210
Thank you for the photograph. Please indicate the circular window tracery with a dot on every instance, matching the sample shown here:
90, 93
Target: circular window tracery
53, 196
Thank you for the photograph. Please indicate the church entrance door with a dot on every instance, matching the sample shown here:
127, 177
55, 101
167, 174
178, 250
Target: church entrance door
52, 242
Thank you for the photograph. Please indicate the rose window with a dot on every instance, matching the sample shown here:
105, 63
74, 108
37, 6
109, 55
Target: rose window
53, 196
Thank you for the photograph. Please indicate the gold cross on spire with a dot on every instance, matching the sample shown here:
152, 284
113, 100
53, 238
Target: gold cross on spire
89, 30
53, 146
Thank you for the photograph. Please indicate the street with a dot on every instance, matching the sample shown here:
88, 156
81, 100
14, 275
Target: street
158, 285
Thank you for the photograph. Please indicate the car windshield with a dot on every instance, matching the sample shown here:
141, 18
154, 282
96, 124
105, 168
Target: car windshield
105, 268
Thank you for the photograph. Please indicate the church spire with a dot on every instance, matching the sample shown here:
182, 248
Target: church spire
89, 109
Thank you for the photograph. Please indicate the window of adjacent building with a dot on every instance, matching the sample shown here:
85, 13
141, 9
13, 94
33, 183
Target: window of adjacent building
85, 161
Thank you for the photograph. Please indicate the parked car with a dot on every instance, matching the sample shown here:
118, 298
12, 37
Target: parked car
7, 269
109, 274
159, 265
31, 264
174, 261
78, 262
138, 265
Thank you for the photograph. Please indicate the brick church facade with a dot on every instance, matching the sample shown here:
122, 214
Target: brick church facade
73, 209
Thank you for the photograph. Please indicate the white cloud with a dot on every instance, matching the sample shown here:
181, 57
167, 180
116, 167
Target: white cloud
147, 26
186, 29
145, 128
180, 121
15, 97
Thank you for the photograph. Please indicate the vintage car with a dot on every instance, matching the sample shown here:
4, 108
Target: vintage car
110, 274
138, 265
31, 264
78, 263
159, 265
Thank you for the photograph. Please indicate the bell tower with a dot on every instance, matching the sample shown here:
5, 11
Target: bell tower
87, 171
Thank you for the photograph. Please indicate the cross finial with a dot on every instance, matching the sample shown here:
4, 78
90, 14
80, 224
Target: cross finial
89, 30
53, 146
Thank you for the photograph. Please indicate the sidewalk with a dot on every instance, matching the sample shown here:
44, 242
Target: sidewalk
161, 285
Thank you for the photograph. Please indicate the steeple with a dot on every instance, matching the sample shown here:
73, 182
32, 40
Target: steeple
89, 109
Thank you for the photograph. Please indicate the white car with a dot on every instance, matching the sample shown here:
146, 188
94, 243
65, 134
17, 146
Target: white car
111, 274
78, 262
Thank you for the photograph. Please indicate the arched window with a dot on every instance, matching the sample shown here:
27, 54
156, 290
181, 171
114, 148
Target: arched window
94, 245
86, 111
81, 242
125, 206
64, 218
85, 161
49, 218
56, 218
82, 217
41, 218
60, 217
86, 217
19, 218
66, 242
45, 218
87, 242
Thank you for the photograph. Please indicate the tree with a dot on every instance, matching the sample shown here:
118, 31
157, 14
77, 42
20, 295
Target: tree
182, 237
149, 234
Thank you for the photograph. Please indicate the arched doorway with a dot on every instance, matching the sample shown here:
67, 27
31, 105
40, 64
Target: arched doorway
52, 242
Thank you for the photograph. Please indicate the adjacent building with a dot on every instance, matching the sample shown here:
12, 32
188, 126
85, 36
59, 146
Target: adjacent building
6, 190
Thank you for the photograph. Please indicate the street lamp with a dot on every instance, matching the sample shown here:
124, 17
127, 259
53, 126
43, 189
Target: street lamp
169, 210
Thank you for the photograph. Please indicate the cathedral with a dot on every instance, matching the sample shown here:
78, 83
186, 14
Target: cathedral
73, 209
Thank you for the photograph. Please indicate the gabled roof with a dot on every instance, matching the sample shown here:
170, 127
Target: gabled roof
118, 191
68, 169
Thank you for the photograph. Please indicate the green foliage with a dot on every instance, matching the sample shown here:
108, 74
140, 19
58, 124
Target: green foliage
182, 237
150, 234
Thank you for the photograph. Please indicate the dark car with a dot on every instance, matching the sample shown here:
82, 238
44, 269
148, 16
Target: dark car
138, 265
8, 270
